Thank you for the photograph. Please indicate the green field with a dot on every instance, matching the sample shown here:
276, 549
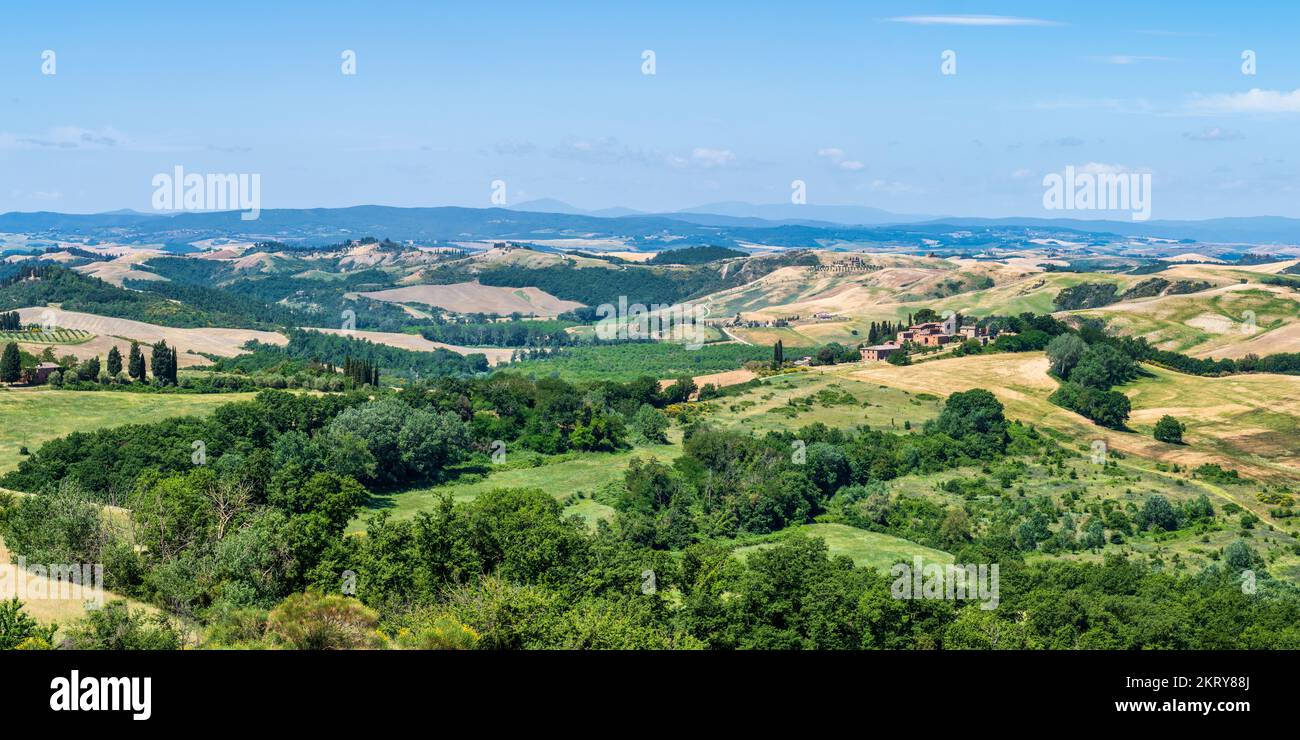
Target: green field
561, 476
789, 401
31, 417
868, 549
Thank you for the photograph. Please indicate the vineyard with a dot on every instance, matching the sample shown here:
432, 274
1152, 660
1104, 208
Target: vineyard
47, 336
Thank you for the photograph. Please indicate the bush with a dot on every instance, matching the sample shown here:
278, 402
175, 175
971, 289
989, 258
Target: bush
314, 621
118, 627
19, 631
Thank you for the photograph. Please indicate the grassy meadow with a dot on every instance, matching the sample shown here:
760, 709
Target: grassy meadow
32, 416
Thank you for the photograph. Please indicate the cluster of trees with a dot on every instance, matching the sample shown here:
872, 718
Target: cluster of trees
163, 361
513, 333
386, 446
509, 571
1284, 363
592, 286
694, 255
361, 372
630, 360
336, 349
728, 483
10, 321
1086, 295
883, 331
1095, 295
1088, 372
835, 353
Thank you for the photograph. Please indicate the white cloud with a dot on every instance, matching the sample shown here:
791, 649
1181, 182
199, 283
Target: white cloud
1214, 133
836, 156
64, 137
972, 20
712, 157
1254, 101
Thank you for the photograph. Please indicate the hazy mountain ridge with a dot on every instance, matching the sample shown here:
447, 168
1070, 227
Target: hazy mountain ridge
646, 231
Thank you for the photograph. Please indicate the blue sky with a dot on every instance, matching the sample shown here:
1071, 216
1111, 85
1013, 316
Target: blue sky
550, 98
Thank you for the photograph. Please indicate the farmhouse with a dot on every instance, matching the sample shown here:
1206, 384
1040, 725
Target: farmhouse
930, 334
936, 334
40, 374
879, 352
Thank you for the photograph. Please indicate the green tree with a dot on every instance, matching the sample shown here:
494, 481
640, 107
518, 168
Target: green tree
10, 364
1102, 367
114, 361
135, 363
1170, 430
163, 361
1158, 513
1064, 352
650, 424
974, 417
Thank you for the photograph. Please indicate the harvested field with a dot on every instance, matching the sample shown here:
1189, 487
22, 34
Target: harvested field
112, 332
476, 298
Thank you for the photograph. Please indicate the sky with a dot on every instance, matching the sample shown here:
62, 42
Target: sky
553, 100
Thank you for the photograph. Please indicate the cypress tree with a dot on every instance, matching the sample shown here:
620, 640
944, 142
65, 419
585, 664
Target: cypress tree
114, 361
10, 364
135, 364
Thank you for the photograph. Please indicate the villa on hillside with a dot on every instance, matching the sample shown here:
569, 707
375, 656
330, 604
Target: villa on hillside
929, 334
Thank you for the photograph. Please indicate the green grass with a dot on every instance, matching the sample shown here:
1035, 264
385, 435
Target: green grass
561, 477
867, 549
768, 407
31, 417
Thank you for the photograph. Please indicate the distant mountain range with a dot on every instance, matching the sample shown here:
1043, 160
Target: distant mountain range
737, 213
723, 224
